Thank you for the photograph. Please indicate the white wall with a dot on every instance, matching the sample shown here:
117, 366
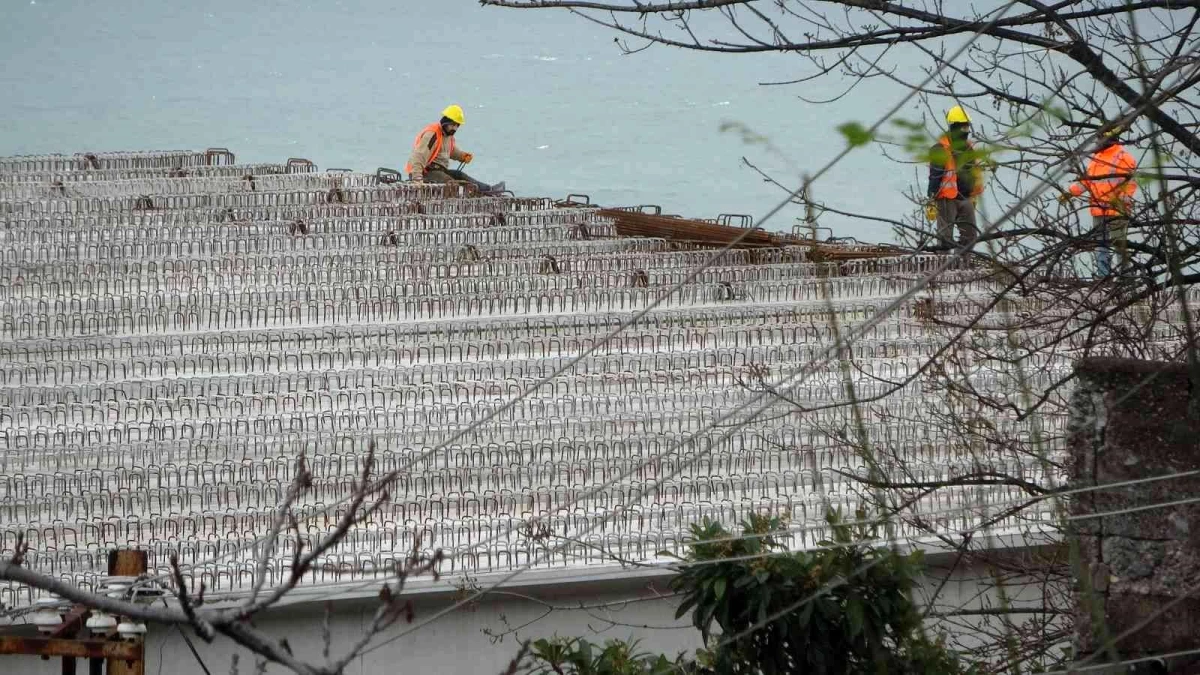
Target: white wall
456, 643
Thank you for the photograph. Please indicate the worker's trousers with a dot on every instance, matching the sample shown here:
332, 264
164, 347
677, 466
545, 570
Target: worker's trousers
440, 174
958, 213
1111, 232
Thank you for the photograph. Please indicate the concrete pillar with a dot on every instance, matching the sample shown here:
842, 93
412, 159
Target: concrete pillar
1132, 420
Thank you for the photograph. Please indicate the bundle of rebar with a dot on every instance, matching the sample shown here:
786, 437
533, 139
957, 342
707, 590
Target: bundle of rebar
634, 224
705, 233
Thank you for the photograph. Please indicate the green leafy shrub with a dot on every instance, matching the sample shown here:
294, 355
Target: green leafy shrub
842, 609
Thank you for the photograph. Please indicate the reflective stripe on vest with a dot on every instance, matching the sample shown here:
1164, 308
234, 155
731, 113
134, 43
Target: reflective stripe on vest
948, 189
438, 134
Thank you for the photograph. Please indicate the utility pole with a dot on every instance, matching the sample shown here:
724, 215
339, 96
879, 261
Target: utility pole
128, 563
122, 657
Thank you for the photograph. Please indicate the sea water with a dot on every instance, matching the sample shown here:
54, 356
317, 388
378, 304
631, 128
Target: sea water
552, 104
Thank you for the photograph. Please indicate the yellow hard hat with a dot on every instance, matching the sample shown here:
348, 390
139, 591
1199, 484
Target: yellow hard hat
957, 115
454, 113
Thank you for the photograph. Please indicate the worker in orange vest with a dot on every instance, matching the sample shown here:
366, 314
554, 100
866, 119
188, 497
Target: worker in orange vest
1110, 185
955, 182
434, 149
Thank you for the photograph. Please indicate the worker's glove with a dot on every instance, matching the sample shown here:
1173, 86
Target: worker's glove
416, 178
1065, 197
931, 211
467, 157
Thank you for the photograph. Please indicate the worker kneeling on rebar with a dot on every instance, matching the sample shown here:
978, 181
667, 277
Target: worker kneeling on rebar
434, 149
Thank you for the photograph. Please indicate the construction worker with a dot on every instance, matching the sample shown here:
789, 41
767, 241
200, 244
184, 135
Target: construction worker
955, 182
434, 149
1110, 185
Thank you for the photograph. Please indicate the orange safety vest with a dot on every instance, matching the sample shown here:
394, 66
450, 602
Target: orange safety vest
438, 134
949, 186
1109, 181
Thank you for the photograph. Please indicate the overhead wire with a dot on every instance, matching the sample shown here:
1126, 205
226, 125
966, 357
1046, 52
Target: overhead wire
637, 316
335, 589
586, 353
1043, 184
482, 543
919, 285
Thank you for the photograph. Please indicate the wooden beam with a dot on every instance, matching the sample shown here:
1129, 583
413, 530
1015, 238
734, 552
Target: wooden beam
127, 563
127, 666
80, 649
635, 224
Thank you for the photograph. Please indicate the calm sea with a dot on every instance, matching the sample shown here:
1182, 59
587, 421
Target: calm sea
552, 105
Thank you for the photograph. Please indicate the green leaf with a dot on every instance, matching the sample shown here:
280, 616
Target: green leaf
543, 649
911, 125
749, 136
702, 618
685, 606
585, 650
854, 615
867, 609
1058, 112
856, 135
806, 614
